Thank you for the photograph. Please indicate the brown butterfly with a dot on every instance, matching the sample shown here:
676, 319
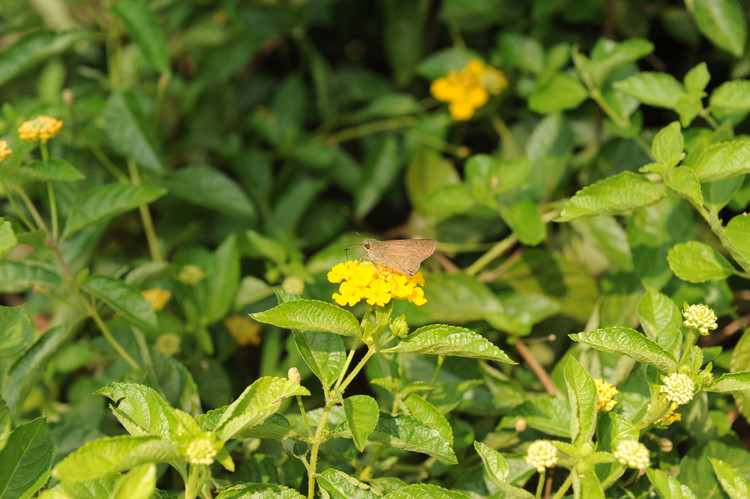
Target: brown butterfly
401, 255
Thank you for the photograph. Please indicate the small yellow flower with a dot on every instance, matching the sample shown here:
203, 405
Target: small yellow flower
4, 150
468, 89
633, 454
605, 393
202, 450
168, 343
157, 297
678, 388
541, 455
294, 376
40, 129
670, 417
191, 274
375, 283
243, 329
699, 317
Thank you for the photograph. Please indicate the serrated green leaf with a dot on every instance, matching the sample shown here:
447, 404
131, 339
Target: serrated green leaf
311, 315
31, 365
734, 484
323, 352
524, 52
223, 278
723, 160
108, 455
407, 433
610, 236
90, 489
428, 414
668, 145
339, 485
17, 331
582, 396
497, 470
628, 342
8, 239
142, 410
563, 91
654, 89
26, 460
683, 180
548, 414
362, 415
205, 186
668, 486
738, 233
144, 28
621, 193
123, 298
607, 56
255, 404
129, 133
107, 201
723, 22
732, 95
259, 491
52, 169
442, 339
138, 483
732, 383
696, 79
697, 262
19, 276
5, 423
425, 491
33, 49
660, 319
525, 221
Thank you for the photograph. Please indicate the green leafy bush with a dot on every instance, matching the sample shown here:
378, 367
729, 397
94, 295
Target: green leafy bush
180, 181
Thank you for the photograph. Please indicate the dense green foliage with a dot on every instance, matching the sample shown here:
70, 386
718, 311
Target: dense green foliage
583, 165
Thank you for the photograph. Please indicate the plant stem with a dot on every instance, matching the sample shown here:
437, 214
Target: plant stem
564, 487
32, 209
196, 478
94, 313
52, 208
148, 224
316, 442
358, 131
12, 200
498, 249
440, 360
540, 484
357, 369
304, 416
505, 135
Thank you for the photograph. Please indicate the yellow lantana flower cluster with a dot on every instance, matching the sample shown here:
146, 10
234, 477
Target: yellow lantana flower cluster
468, 89
604, 394
375, 283
157, 298
699, 317
4, 150
244, 330
40, 129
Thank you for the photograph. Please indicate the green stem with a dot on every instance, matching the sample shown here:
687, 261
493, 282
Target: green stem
497, 250
564, 487
345, 368
357, 369
107, 163
12, 200
196, 478
317, 441
505, 135
148, 223
304, 416
440, 360
32, 209
613, 475
94, 313
690, 340
540, 484
371, 128
52, 209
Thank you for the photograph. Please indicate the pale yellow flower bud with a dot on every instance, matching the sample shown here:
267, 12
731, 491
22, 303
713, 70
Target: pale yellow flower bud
633, 454
294, 376
541, 455
678, 388
293, 285
699, 317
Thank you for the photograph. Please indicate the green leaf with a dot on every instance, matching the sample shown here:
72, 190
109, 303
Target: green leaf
443, 61
31, 365
90, 489
732, 383
628, 342
723, 22
548, 414
123, 298
582, 396
488, 176
423, 490
323, 352
683, 180
723, 160
734, 484
696, 80
428, 414
403, 35
17, 330
5, 423
223, 278
449, 200
8, 239
442, 339
587, 485
52, 169
33, 49
668, 145
381, 170
563, 91
719, 193
129, 133
339, 485
697, 262
738, 233
660, 319
142, 411
139, 483
732, 96
668, 486
362, 416
26, 460
255, 404
205, 186
621, 193
524, 52
108, 455
16, 277
607, 56
497, 469
107, 201
145, 30
525, 221
654, 89
610, 236
407, 433
311, 315
259, 491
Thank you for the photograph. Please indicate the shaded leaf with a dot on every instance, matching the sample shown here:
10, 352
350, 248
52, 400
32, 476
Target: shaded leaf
19, 276
407, 433
423, 490
123, 298
311, 315
323, 352
628, 342
732, 383
738, 233
26, 460
129, 133
340, 485
683, 180
52, 169
563, 91
139, 483
17, 331
259, 491
362, 415
33, 49
146, 31
722, 22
